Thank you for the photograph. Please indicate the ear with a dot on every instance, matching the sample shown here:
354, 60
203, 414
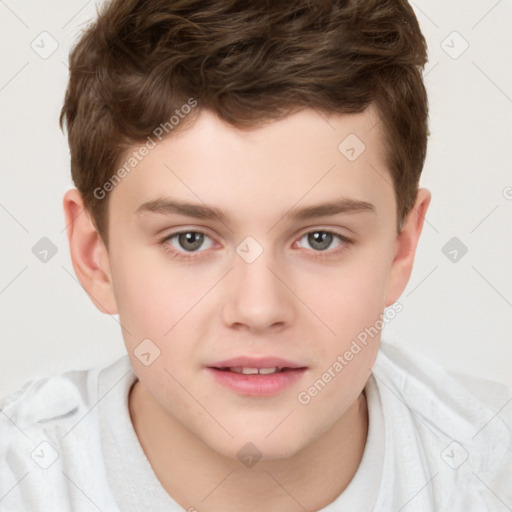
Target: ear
88, 253
405, 247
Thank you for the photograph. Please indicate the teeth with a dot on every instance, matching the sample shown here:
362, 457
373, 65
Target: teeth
266, 371
249, 371
254, 371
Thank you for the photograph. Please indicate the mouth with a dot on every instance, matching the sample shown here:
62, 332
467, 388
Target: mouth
255, 371
257, 379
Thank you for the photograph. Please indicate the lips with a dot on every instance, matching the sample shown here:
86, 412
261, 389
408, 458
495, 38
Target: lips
257, 376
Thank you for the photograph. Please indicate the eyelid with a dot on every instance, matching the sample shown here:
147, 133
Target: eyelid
176, 230
324, 229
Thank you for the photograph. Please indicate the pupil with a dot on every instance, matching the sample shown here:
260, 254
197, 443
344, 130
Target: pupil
191, 241
320, 240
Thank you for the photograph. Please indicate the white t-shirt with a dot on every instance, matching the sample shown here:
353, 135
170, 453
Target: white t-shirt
67, 444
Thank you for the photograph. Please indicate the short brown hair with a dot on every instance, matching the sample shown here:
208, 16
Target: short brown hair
250, 62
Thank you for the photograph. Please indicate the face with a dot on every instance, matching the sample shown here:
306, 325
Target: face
267, 243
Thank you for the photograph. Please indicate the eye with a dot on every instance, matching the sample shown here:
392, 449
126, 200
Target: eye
322, 240
185, 243
189, 241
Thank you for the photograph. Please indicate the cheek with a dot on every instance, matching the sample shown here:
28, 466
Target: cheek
151, 295
345, 358
165, 305
351, 309
141, 300
350, 298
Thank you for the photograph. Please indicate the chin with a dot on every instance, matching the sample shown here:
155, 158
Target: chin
251, 447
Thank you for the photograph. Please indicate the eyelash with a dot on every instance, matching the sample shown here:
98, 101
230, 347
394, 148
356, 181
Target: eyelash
345, 243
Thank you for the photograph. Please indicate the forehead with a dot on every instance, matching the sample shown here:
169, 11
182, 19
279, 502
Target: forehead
308, 133
304, 158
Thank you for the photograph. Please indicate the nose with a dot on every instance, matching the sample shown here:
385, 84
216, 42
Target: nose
256, 297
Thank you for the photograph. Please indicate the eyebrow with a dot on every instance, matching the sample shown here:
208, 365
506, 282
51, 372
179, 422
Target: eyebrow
170, 206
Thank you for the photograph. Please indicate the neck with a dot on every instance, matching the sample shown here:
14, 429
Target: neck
197, 477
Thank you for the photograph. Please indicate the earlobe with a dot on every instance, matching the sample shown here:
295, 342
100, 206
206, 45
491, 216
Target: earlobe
406, 244
88, 253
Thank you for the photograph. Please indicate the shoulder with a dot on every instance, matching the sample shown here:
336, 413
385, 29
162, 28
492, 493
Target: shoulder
50, 441
414, 372
457, 426
57, 397
495, 395
48, 399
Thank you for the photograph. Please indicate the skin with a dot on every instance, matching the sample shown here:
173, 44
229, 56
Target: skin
294, 301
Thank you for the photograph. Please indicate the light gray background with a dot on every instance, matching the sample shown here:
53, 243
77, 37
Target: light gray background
457, 313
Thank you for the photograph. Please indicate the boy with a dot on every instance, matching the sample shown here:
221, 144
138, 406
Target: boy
284, 142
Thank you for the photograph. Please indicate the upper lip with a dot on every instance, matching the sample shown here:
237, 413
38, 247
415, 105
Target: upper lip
255, 362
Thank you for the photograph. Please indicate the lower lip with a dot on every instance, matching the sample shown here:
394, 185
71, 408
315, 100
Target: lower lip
257, 385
